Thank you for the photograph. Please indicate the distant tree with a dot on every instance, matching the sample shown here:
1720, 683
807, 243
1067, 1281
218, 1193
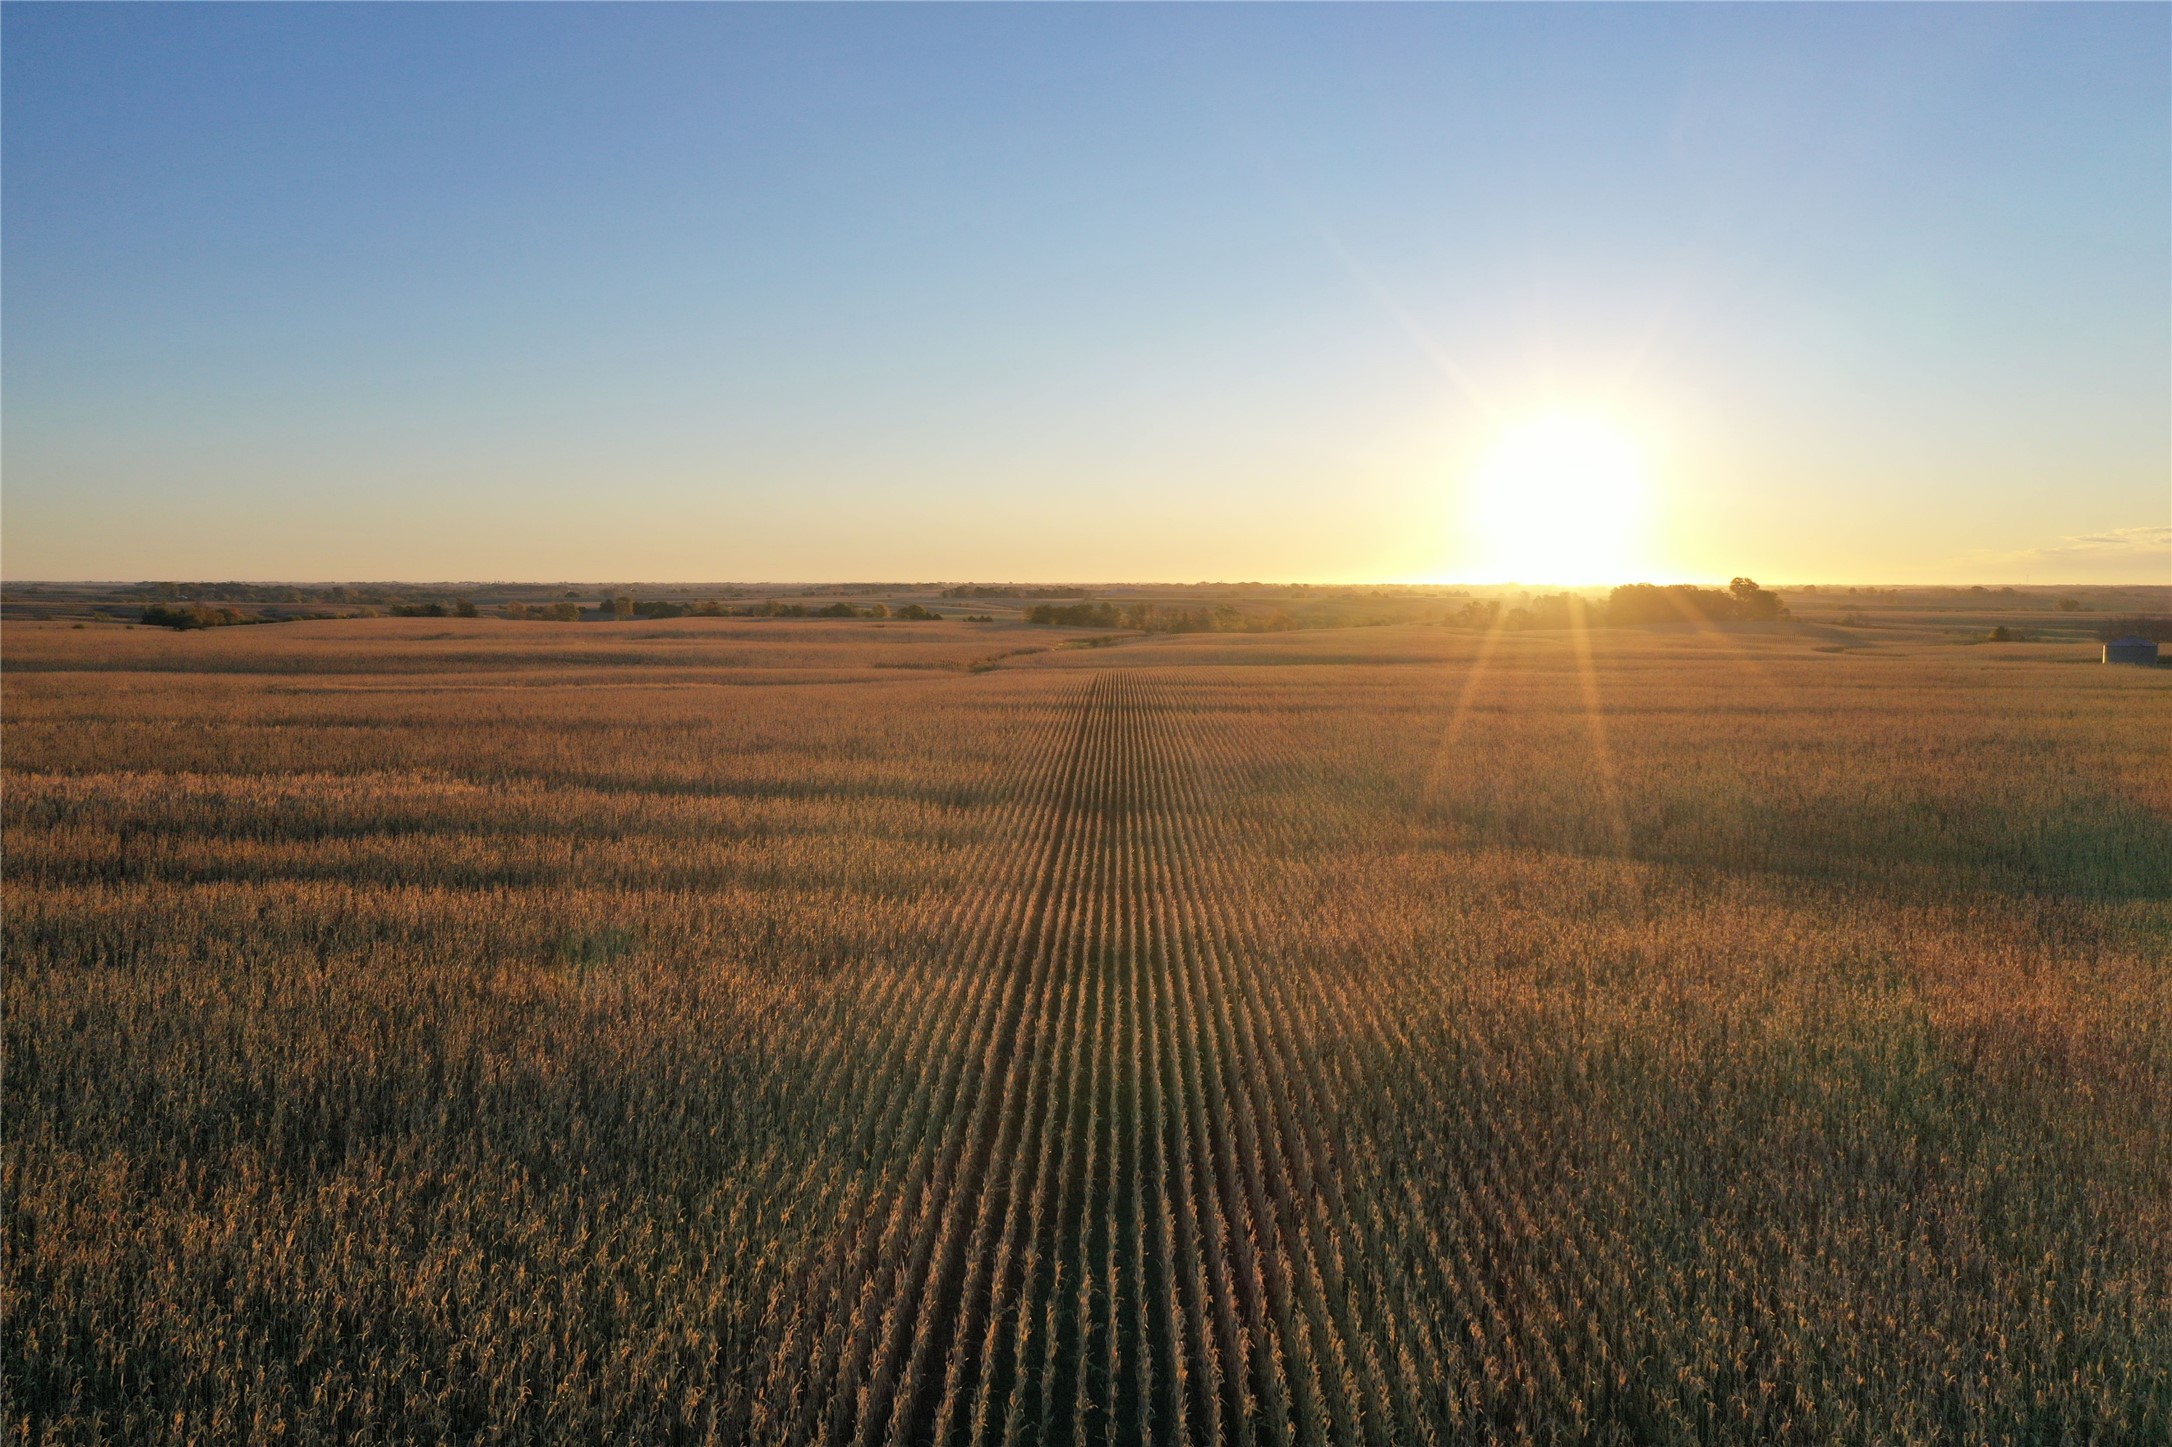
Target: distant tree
1755, 604
1074, 615
464, 607
1637, 603
192, 615
622, 606
2001, 635
564, 613
1481, 613
1005, 590
2070, 605
516, 609
1556, 610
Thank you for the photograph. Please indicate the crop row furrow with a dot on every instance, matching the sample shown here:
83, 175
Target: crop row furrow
1360, 1399
887, 1075
919, 1069
922, 1313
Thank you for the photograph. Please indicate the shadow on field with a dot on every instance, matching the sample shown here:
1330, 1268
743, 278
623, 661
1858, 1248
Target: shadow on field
2090, 844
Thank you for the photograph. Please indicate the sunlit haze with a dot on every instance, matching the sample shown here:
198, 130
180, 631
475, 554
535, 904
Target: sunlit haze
1560, 498
1547, 294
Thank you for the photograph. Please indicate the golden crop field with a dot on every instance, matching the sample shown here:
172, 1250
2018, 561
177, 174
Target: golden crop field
794, 1032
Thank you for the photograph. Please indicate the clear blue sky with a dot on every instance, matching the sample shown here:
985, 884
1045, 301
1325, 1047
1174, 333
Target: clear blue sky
1879, 293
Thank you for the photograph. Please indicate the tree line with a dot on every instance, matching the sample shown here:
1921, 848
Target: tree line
187, 616
1009, 590
1630, 605
1742, 601
1153, 618
621, 608
625, 607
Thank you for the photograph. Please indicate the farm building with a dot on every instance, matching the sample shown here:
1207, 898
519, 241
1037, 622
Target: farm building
2131, 649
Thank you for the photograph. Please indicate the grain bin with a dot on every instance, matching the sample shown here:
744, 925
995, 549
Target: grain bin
2131, 649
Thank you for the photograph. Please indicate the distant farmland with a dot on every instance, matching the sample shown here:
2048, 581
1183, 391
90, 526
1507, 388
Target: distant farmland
696, 1030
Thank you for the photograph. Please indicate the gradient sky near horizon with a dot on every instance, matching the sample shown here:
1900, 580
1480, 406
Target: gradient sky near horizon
1878, 293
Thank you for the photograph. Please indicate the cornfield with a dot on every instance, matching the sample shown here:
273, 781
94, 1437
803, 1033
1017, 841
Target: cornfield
709, 1032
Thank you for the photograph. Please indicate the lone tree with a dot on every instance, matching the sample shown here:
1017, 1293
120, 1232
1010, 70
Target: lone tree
1753, 603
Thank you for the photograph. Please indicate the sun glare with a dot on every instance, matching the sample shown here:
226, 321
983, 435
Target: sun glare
1560, 499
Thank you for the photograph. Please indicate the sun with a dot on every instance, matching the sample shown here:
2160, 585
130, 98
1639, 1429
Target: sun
1560, 499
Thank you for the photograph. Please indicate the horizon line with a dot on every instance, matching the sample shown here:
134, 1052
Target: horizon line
1492, 584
